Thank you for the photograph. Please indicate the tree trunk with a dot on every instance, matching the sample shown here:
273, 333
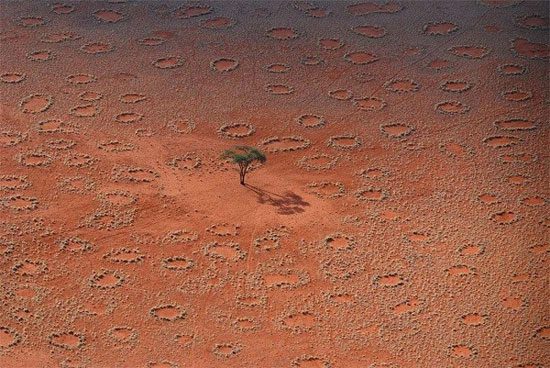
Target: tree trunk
242, 173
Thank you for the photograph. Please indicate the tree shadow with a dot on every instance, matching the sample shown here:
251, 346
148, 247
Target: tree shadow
288, 203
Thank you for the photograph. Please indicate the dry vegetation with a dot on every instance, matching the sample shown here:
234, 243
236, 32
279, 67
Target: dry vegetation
399, 221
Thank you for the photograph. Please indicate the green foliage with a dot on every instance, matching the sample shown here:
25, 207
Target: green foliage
244, 156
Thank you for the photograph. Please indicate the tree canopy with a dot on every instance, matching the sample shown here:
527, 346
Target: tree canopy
244, 156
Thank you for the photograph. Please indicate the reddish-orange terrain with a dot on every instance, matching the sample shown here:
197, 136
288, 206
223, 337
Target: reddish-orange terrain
400, 220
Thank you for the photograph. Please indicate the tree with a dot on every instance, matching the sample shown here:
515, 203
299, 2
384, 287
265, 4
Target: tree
244, 156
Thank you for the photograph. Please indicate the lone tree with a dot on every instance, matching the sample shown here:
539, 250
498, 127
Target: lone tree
244, 156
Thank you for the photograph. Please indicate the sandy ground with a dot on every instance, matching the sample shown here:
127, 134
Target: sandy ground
400, 221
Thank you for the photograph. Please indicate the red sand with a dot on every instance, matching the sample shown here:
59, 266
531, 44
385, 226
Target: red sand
400, 220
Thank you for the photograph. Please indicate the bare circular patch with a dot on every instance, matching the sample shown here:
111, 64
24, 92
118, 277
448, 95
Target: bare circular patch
168, 312
80, 160
68, 340
178, 263
517, 95
371, 194
133, 174
282, 33
469, 52
331, 43
224, 65
319, 161
14, 182
285, 144
500, 141
188, 161
60, 144
369, 103
236, 130
326, 189
19, 203
125, 255
533, 21
32, 21
312, 60
225, 252
60, 8
515, 124
278, 68
35, 103
10, 139
29, 267
512, 69
396, 130
370, 31
9, 337
182, 126
95, 48
341, 94
59, 37
401, 85
84, 111
90, 96
311, 121
81, 78
452, 108
106, 279
108, 16
192, 11
34, 159
12, 77
455, 86
128, 117
227, 350
345, 141
218, 23
279, 89
440, 28
75, 245
169, 62
305, 361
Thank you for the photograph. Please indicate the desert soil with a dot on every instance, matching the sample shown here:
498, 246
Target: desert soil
400, 220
